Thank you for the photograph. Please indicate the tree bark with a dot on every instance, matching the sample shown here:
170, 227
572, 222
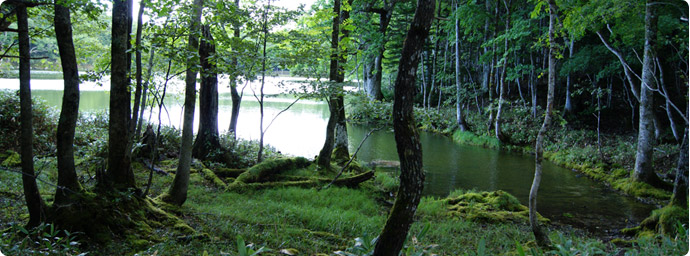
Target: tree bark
540, 236
503, 81
144, 92
207, 138
342, 152
138, 75
119, 173
680, 187
67, 175
568, 99
406, 136
34, 202
644, 169
236, 97
458, 103
177, 194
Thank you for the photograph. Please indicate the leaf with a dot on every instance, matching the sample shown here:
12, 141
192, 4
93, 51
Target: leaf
289, 251
241, 247
481, 248
521, 251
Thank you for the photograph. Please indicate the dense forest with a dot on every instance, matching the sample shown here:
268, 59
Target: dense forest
592, 95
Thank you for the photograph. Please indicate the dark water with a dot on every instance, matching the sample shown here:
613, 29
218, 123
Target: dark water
564, 195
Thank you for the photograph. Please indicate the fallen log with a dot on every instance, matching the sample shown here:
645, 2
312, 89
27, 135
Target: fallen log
352, 181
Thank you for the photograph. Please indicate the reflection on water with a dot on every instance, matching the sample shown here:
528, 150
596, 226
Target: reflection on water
301, 131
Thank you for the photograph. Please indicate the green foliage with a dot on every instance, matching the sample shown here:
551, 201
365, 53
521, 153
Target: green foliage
44, 124
248, 249
44, 239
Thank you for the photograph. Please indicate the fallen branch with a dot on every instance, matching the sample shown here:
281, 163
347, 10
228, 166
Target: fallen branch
346, 182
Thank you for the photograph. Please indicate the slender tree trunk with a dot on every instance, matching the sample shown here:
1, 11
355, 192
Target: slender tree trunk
568, 98
120, 173
680, 188
207, 138
236, 97
177, 194
67, 175
324, 159
34, 202
409, 148
260, 158
644, 170
144, 93
540, 236
139, 74
502, 97
458, 103
533, 86
668, 103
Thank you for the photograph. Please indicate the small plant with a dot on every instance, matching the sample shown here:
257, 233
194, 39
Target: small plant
248, 249
364, 246
44, 239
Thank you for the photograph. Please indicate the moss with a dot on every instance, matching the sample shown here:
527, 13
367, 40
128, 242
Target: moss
265, 170
469, 138
228, 172
640, 189
12, 159
492, 207
664, 221
211, 176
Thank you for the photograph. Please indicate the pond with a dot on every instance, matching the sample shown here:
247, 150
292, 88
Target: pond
564, 196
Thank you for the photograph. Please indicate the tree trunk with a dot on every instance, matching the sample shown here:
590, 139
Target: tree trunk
503, 81
540, 236
259, 157
568, 99
119, 173
341, 136
138, 75
177, 194
34, 202
644, 169
144, 92
207, 138
67, 175
236, 97
680, 188
458, 103
324, 159
409, 148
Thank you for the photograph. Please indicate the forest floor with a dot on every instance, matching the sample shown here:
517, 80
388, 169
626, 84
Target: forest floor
308, 221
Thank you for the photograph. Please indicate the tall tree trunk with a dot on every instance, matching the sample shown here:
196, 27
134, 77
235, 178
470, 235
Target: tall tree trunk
341, 136
34, 202
67, 175
458, 103
177, 194
207, 138
680, 187
259, 157
540, 236
236, 97
119, 173
409, 148
644, 169
503, 81
139, 74
324, 160
568, 98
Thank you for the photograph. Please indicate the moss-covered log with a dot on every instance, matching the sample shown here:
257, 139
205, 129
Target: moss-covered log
228, 172
267, 169
307, 183
664, 221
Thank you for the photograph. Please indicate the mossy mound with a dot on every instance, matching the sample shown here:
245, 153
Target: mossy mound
267, 169
118, 216
491, 207
640, 189
664, 221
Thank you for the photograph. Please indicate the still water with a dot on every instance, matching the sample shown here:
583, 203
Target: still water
564, 196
